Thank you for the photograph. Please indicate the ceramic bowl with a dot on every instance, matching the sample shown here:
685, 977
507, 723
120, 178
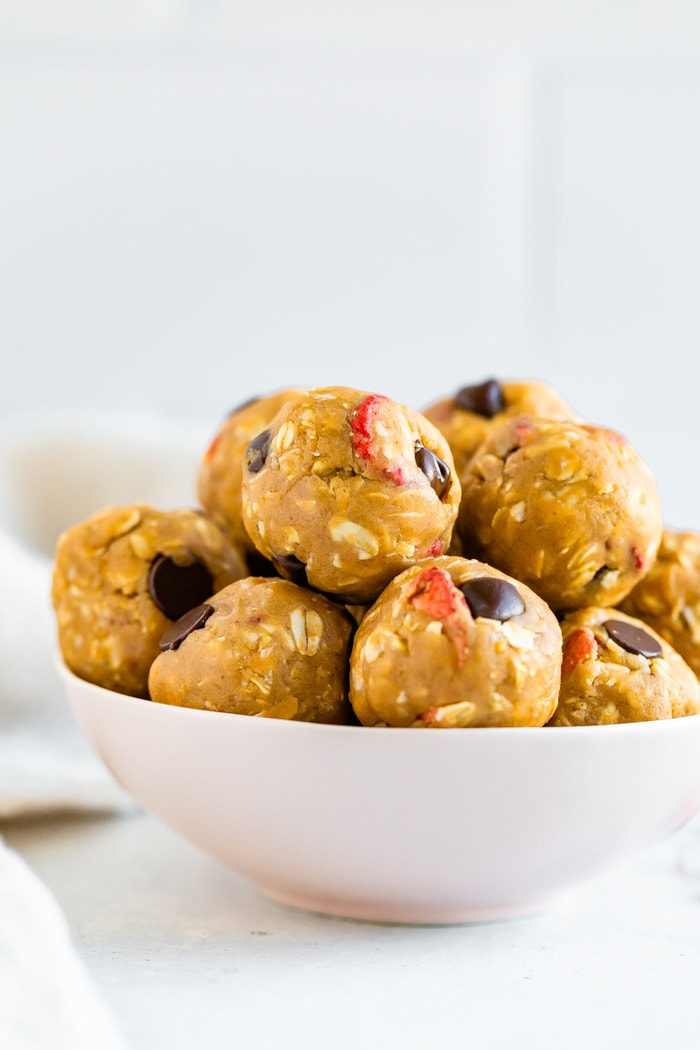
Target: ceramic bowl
399, 825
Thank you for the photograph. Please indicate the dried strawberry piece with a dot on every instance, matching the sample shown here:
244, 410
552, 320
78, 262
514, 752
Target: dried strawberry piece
435, 594
637, 557
525, 432
611, 435
435, 549
362, 422
579, 646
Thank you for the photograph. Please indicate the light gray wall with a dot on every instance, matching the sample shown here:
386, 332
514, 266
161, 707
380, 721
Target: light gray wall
201, 201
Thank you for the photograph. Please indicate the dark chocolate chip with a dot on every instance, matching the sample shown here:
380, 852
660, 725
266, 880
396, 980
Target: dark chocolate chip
435, 469
492, 598
256, 453
176, 588
190, 621
633, 639
485, 399
291, 568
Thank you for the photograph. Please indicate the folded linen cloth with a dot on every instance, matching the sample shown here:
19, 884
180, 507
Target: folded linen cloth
47, 1001
55, 470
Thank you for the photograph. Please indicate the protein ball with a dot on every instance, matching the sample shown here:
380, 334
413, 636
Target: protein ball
668, 598
259, 647
346, 489
570, 510
122, 577
456, 643
221, 468
616, 669
467, 417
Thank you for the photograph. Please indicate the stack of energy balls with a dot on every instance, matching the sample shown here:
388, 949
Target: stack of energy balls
494, 561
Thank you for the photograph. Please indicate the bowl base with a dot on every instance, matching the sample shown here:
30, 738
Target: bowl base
413, 914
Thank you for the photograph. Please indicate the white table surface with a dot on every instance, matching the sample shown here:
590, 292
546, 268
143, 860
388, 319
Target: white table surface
187, 953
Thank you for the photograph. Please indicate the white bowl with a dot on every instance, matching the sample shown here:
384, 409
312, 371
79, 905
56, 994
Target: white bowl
399, 825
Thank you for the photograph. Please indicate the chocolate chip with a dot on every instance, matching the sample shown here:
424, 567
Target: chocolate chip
435, 469
190, 621
492, 598
176, 588
256, 453
291, 568
485, 399
633, 639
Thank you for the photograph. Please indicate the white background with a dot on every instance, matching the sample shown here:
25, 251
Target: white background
200, 201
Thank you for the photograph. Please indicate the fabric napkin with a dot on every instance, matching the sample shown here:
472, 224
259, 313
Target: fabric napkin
47, 1001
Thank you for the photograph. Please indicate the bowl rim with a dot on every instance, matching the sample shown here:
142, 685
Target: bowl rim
174, 711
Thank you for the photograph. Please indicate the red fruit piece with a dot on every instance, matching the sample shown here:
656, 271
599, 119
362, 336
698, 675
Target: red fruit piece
611, 435
579, 646
637, 557
525, 432
435, 594
362, 423
435, 549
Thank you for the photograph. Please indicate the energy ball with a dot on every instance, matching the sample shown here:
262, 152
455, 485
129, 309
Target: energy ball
221, 469
668, 598
122, 577
569, 509
456, 643
259, 647
467, 418
346, 489
616, 669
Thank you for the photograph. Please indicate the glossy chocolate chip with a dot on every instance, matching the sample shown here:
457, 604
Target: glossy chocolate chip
492, 598
485, 399
291, 568
633, 639
176, 588
256, 453
435, 469
190, 621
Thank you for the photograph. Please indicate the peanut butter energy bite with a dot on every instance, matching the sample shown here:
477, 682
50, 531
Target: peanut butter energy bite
221, 469
668, 598
456, 643
345, 489
570, 510
259, 647
616, 669
467, 417
123, 577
